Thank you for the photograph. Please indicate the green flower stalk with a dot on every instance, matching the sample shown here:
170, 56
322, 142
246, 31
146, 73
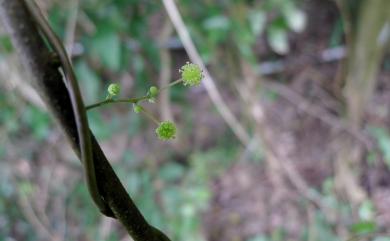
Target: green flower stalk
191, 74
166, 130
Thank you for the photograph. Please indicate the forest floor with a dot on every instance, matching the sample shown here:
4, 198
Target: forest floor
245, 200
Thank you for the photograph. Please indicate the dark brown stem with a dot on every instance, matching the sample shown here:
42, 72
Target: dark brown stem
47, 80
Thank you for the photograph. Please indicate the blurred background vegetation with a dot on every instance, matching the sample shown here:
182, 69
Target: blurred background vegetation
307, 80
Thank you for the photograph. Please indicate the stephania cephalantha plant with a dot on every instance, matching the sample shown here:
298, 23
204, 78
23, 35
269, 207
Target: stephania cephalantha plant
191, 74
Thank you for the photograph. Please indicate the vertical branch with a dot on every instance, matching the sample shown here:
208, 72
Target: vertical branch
365, 56
165, 72
367, 21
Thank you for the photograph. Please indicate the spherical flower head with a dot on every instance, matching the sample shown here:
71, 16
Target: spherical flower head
113, 89
166, 130
191, 74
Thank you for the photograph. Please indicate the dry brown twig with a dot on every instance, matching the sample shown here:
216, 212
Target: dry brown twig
12, 79
165, 72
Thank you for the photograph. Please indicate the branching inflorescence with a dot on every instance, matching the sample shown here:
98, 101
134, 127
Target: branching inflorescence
191, 75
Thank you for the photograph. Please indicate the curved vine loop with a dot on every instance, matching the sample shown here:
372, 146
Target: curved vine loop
79, 112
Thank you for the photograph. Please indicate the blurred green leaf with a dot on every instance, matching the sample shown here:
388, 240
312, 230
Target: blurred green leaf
337, 35
364, 227
216, 22
90, 83
323, 229
278, 234
81, 200
258, 238
372, 156
26, 188
133, 182
172, 197
8, 118
107, 46
199, 194
139, 65
2, 151
382, 238
383, 137
295, 18
102, 129
114, 236
257, 20
38, 121
215, 32
278, 40
171, 172
5, 45
366, 210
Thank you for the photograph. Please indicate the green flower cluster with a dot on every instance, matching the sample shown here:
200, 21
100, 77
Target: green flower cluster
191, 74
166, 130
114, 89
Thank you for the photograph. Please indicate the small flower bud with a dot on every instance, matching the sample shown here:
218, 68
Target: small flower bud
113, 89
137, 108
166, 130
153, 91
191, 74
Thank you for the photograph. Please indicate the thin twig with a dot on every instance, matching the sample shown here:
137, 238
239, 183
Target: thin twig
165, 72
150, 116
110, 100
13, 80
171, 84
114, 101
